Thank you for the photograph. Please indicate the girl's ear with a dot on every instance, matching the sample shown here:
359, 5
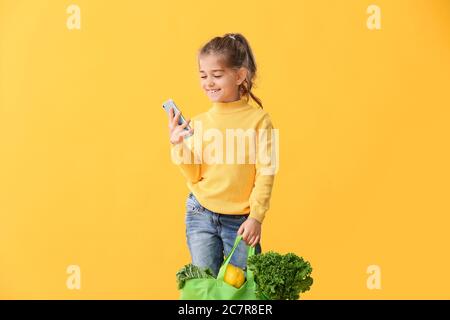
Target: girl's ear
241, 75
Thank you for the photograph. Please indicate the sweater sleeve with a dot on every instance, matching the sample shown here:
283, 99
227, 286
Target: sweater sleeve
266, 166
183, 156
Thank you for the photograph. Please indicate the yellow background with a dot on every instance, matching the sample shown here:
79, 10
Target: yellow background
85, 171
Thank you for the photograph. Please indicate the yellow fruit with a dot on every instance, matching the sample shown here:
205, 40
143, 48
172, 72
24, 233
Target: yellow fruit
234, 276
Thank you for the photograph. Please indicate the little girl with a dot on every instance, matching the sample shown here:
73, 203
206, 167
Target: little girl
225, 199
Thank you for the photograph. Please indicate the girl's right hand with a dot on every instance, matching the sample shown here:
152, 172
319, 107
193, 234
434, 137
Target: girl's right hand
176, 131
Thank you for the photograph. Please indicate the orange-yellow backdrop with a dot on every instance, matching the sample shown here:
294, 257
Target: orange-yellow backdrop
85, 171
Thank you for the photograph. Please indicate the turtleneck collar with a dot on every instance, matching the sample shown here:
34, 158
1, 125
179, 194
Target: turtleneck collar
230, 107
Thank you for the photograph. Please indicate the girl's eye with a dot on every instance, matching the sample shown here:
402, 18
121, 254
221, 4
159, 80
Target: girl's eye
204, 77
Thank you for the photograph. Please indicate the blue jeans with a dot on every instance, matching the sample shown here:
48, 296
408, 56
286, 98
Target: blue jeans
211, 235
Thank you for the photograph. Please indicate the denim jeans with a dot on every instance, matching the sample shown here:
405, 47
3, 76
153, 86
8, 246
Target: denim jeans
211, 235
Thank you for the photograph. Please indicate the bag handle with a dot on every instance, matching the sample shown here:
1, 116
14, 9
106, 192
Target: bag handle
223, 268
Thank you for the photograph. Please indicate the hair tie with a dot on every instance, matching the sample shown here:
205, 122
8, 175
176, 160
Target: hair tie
232, 36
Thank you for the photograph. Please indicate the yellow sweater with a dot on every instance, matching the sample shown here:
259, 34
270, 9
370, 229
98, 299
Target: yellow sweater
209, 159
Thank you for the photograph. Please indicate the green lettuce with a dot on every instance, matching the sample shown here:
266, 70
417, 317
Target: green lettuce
280, 277
191, 271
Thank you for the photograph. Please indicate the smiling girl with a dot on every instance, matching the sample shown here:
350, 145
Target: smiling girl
225, 200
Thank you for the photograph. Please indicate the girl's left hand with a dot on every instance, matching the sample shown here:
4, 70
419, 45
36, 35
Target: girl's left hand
251, 231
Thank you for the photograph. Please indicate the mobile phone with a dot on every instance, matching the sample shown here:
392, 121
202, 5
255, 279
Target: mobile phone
170, 104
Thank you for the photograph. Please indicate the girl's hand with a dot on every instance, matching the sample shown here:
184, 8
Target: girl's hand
251, 231
176, 131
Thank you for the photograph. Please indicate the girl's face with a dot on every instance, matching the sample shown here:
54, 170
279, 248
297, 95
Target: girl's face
221, 84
